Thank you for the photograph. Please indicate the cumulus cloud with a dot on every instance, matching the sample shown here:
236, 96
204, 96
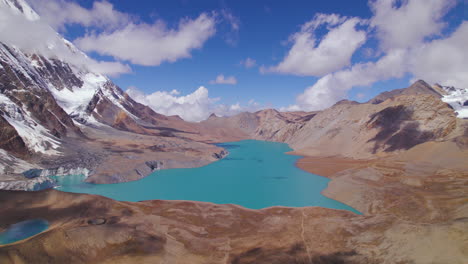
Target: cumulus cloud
411, 42
36, 36
334, 86
192, 107
109, 68
195, 107
248, 63
220, 79
403, 26
443, 60
124, 37
59, 13
151, 44
311, 57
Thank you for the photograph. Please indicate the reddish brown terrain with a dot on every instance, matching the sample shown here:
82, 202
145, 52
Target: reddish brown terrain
408, 176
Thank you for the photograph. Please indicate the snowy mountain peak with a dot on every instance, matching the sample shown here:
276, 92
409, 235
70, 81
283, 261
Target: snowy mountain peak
21, 7
49, 84
458, 99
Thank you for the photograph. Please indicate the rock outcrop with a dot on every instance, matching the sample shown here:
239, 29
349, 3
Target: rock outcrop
11, 141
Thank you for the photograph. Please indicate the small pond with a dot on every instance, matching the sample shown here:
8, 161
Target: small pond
23, 230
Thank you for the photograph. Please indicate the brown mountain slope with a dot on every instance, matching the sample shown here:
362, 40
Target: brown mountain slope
419, 87
406, 118
363, 130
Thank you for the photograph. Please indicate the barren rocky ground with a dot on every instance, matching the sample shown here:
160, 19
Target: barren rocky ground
410, 215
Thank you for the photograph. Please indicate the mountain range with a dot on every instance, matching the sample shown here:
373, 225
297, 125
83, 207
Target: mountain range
58, 115
403, 156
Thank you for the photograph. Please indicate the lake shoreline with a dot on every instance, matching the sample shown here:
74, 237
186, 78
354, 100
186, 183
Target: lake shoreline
400, 202
267, 176
327, 166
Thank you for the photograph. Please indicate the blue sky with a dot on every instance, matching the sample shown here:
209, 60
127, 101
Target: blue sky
266, 32
264, 27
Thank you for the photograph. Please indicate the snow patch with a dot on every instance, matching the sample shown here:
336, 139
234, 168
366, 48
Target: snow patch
75, 100
35, 64
21, 7
457, 97
36, 137
18, 61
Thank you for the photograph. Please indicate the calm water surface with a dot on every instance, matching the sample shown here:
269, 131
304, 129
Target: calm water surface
255, 174
23, 230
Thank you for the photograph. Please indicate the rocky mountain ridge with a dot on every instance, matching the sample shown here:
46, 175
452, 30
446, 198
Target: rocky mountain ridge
59, 115
391, 123
62, 116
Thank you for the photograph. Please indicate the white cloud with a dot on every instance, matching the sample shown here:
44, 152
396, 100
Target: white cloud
59, 13
229, 110
311, 57
235, 107
38, 37
403, 26
333, 87
443, 61
220, 79
174, 92
194, 107
124, 37
151, 44
231, 32
248, 63
109, 68
323, 19
233, 21
405, 49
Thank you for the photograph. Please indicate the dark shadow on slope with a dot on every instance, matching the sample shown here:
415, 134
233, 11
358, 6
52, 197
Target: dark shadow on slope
397, 129
305, 118
408, 137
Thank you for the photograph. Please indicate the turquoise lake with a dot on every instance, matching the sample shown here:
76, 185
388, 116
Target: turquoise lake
255, 174
23, 230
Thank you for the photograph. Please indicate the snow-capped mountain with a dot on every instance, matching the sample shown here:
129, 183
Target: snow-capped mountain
457, 98
44, 92
26, 102
20, 7
53, 103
